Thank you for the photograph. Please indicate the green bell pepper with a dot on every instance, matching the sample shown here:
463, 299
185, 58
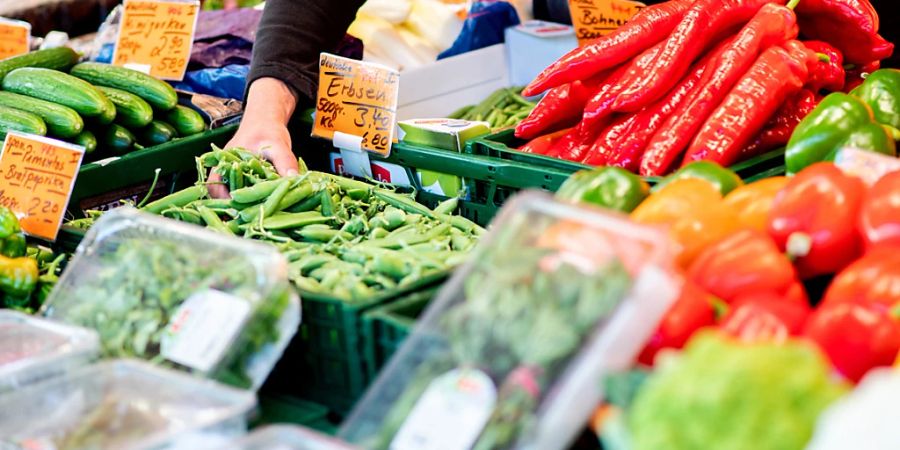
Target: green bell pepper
881, 91
723, 179
840, 120
9, 223
14, 246
608, 187
18, 276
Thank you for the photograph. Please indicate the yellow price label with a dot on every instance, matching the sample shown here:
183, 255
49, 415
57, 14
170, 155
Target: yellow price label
359, 99
15, 38
596, 18
38, 175
156, 37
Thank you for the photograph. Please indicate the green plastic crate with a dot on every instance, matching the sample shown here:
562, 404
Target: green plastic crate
502, 145
386, 327
276, 408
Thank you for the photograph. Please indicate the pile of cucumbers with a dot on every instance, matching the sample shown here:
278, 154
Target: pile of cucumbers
109, 110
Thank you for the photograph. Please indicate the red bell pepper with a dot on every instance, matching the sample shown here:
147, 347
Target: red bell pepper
767, 316
849, 25
879, 216
814, 219
874, 278
856, 337
747, 262
692, 311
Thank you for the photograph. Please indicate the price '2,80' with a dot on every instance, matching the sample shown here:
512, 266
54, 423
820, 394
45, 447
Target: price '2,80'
378, 140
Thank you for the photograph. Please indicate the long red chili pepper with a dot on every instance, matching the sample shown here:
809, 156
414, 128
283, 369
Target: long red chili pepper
779, 129
651, 25
599, 108
628, 151
849, 25
702, 25
560, 108
772, 25
573, 145
541, 145
606, 143
779, 73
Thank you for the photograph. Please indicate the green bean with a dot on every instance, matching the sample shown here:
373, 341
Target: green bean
381, 280
178, 199
447, 206
360, 291
213, 203
270, 206
307, 284
309, 263
255, 193
412, 219
283, 221
344, 183
521, 100
461, 243
235, 177
378, 233
212, 220
355, 225
296, 195
378, 221
392, 265
461, 112
327, 203
461, 223
354, 257
323, 234
397, 241
403, 202
394, 217
358, 194
256, 167
184, 215
234, 226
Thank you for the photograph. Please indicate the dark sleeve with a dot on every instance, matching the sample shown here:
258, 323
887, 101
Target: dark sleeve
291, 35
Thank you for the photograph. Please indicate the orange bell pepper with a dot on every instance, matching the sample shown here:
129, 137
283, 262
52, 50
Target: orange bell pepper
695, 215
752, 202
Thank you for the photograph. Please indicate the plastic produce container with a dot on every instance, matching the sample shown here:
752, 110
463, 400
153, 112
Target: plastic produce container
32, 349
511, 352
180, 296
123, 405
287, 437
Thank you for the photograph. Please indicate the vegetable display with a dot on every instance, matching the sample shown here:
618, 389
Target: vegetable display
503, 109
27, 272
705, 80
343, 238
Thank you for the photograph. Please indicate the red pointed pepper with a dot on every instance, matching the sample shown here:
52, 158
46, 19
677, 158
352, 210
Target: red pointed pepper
744, 263
560, 108
651, 25
766, 316
606, 143
856, 337
874, 278
879, 216
814, 219
777, 75
541, 145
573, 145
692, 311
705, 23
849, 25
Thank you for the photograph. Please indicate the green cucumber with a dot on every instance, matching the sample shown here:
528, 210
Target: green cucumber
12, 119
157, 133
87, 140
158, 94
61, 121
187, 121
60, 88
118, 140
131, 110
60, 58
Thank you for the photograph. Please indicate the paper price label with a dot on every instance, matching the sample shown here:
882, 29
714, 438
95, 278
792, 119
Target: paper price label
595, 18
37, 179
358, 99
15, 38
157, 34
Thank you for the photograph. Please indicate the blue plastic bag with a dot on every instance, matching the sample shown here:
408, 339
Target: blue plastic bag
484, 27
225, 82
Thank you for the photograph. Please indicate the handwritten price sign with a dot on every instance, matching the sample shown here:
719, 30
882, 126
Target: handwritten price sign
38, 175
15, 38
359, 99
595, 18
156, 37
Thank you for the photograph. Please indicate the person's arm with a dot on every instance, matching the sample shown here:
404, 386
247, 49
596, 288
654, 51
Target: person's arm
284, 72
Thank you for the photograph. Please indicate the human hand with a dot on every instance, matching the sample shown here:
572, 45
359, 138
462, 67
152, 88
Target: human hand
263, 130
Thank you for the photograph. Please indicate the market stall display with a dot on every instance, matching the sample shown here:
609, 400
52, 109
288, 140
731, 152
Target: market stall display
502, 109
145, 284
124, 404
35, 349
27, 271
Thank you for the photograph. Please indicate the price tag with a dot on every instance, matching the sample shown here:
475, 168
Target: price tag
358, 99
158, 35
15, 38
37, 179
595, 18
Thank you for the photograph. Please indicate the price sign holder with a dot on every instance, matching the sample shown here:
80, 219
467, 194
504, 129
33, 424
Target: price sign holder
156, 37
357, 109
595, 18
38, 175
15, 38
